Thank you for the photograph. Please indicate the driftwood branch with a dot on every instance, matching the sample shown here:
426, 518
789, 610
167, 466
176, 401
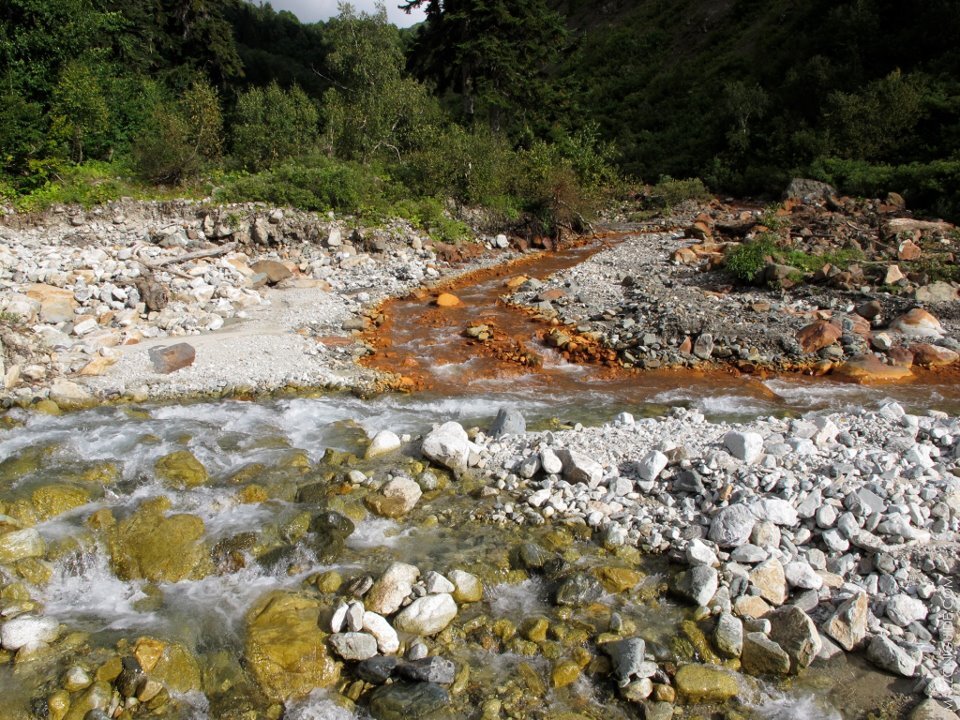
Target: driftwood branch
214, 252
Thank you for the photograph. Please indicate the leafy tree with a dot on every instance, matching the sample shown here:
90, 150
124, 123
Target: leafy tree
496, 55
372, 109
79, 110
271, 125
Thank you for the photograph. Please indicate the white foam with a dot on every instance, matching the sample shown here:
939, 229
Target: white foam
318, 705
377, 532
805, 707
518, 599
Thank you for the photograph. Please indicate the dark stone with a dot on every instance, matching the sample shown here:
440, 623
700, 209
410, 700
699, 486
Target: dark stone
131, 676
508, 422
172, 358
333, 522
153, 294
688, 481
377, 670
359, 586
432, 669
532, 557
327, 544
579, 589
407, 701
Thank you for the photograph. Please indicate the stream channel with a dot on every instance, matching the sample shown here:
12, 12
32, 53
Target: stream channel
120, 580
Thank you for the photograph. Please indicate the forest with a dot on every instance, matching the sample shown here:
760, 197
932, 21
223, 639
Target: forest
538, 111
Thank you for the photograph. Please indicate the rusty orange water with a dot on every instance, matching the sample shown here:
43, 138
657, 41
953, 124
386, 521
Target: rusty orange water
426, 345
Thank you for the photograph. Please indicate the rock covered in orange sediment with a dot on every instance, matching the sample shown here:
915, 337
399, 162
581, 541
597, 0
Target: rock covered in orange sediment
447, 300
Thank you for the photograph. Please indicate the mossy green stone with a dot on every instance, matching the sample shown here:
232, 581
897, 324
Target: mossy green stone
706, 684
181, 470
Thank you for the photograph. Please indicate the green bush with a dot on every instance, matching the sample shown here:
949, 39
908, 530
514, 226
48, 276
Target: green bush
429, 214
669, 192
747, 260
272, 125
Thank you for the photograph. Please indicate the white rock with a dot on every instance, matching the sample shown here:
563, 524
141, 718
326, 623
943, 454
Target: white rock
699, 553
746, 446
427, 615
393, 587
383, 442
652, 465
552, 465
436, 583
387, 640
448, 445
579, 468
801, 575
777, 511
903, 609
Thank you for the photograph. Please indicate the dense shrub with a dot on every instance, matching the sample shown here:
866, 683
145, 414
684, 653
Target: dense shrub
272, 125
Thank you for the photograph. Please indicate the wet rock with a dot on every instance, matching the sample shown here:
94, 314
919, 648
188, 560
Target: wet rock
353, 645
533, 557
285, 650
508, 422
728, 635
28, 631
181, 469
396, 499
171, 358
447, 300
393, 587
770, 580
427, 615
848, 625
763, 656
732, 525
20, 545
333, 523
698, 584
131, 677
745, 446
432, 669
160, 548
706, 684
579, 468
467, 587
918, 323
94, 700
276, 272
383, 442
407, 701
627, 657
793, 630
887, 655
52, 500
377, 670
69, 395
448, 445
579, 589
868, 369
617, 579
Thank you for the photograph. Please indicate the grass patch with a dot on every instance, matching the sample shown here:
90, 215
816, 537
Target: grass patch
747, 261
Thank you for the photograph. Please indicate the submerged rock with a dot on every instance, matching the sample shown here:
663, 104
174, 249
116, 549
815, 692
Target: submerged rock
181, 470
285, 648
706, 683
20, 545
407, 701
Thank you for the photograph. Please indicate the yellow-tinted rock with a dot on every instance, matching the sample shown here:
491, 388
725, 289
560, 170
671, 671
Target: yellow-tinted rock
181, 470
58, 704
53, 500
105, 473
446, 300
97, 697
150, 545
253, 494
868, 369
285, 649
46, 407
148, 652
34, 571
329, 582
177, 669
535, 629
110, 670
564, 673
618, 579
705, 684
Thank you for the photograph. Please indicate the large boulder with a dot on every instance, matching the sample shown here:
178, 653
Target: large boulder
160, 548
449, 446
285, 649
793, 630
918, 323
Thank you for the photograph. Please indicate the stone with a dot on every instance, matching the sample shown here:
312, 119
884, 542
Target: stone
285, 650
579, 468
706, 684
699, 553
68, 394
181, 470
627, 657
28, 631
751, 606
427, 615
408, 701
938, 292
393, 587
171, 358
745, 446
763, 656
893, 275
809, 191
801, 575
932, 710
703, 347
20, 545
564, 673
383, 442
579, 589
903, 610
387, 640
769, 578
434, 582
818, 335
908, 251
398, 497
848, 625
652, 464
918, 323
52, 500
776, 511
932, 356
154, 295
447, 300
449, 446
617, 579
433, 669
728, 635
353, 645
377, 670
887, 655
550, 462
153, 546
698, 584
732, 525
508, 422
276, 272
867, 369
57, 305
793, 630
467, 587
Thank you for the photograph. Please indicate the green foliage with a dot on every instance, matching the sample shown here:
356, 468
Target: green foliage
89, 184
430, 215
272, 125
670, 192
79, 113
321, 184
747, 261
